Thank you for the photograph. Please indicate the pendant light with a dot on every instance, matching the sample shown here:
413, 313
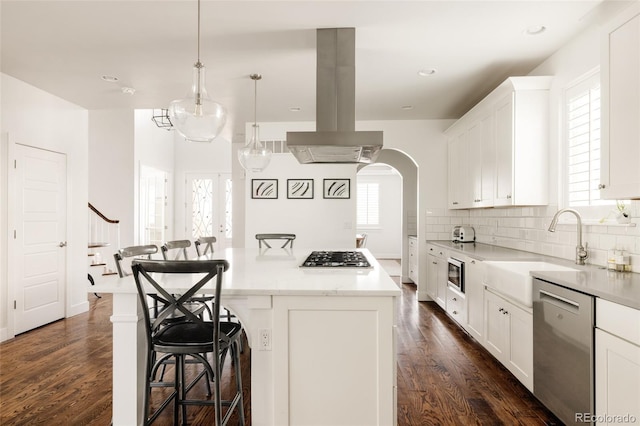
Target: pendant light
198, 118
254, 156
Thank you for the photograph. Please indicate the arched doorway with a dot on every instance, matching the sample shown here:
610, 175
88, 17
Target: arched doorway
408, 170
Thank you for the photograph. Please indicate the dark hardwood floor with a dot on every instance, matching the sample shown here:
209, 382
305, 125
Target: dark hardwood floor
60, 374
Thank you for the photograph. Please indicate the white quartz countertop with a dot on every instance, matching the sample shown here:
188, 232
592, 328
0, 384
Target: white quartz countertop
618, 287
277, 271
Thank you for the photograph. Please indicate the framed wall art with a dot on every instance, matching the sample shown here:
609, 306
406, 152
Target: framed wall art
264, 188
336, 188
300, 189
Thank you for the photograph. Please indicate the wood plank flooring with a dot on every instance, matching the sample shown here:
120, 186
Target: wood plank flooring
60, 374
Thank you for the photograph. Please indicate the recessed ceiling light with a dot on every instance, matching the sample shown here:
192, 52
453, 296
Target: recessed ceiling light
109, 78
407, 107
427, 72
535, 29
128, 90
295, 109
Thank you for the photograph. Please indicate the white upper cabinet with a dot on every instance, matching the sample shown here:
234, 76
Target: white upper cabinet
620, 71
459, 172
504, 151
504, 140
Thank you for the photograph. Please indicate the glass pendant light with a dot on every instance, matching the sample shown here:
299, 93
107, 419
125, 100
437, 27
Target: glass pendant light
254, 156
198, 118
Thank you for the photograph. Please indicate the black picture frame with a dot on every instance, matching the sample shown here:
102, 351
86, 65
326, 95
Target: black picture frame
336, 188
300, 189
264, 189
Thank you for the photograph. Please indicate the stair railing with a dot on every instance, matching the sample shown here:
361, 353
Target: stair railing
103, 232
102, 229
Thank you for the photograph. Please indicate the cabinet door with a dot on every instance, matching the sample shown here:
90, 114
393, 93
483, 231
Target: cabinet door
617, 377
474, 293
621, 108
488, 172
441, 296
474, 149
504, 120
520, 353
496, 326
458, 172
432, 276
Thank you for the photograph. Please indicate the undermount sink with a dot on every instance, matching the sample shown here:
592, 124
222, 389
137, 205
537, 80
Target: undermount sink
513, 279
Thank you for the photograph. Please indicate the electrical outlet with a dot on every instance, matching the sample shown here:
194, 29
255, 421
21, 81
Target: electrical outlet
265, 339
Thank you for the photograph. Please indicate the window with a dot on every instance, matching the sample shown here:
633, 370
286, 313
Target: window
368, 204
583, 142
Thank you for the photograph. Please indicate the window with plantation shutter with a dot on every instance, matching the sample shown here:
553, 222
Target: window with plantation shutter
368, 204
583, 142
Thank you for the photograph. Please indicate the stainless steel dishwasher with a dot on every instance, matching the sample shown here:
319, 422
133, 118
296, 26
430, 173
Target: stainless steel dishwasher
563, 360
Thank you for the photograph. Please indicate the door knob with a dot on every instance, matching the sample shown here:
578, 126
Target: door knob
62, 244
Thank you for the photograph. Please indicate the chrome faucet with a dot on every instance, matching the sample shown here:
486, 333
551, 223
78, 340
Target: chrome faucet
581, 252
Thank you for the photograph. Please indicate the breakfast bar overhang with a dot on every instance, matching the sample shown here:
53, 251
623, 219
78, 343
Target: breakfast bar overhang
331, 353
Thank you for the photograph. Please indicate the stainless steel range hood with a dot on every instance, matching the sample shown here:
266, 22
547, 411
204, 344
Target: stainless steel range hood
335, 139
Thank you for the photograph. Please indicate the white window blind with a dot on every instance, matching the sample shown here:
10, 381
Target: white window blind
368, 204
583, 142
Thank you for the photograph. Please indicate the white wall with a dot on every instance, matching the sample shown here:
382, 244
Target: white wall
111, 168
268, 132
318, 223
33, 117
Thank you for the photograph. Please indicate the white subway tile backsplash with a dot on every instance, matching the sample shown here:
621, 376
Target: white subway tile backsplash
525, 228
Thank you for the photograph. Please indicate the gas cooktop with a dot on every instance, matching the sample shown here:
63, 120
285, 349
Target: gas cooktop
333, 259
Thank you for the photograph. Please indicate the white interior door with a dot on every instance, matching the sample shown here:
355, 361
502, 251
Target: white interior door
208, 207
37, 246
153, 203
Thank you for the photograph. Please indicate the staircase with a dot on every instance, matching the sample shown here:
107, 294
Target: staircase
104, 240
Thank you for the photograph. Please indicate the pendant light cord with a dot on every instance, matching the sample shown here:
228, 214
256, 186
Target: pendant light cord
198, 31
255, 102
255, 78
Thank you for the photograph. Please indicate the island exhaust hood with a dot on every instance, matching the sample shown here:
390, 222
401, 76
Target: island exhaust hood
335, 139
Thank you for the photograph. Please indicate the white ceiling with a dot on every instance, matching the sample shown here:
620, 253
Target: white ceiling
64, 47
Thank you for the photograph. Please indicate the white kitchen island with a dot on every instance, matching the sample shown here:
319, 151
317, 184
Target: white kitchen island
322, 339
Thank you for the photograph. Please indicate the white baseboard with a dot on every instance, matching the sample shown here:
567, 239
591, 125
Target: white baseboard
78, 309
424, 297
3, 334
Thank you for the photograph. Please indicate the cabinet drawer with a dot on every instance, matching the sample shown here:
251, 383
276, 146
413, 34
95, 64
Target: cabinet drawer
619, 320
456, 305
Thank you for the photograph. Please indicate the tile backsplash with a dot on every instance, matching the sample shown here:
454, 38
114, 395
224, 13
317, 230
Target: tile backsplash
525, 228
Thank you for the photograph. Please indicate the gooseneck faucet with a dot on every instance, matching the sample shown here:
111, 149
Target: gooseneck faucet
581, 252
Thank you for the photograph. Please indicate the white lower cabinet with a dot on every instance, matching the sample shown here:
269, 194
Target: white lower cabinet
474, 293
509, 336
617, 364
308, 332
437, 275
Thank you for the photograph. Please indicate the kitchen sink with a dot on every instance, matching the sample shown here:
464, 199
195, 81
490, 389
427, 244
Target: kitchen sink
513, 279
